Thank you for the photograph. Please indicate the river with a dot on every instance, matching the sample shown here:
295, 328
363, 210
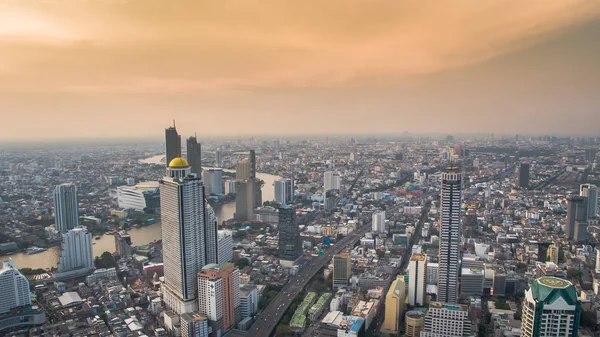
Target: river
139, 236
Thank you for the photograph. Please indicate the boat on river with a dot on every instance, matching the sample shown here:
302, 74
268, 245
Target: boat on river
34, 250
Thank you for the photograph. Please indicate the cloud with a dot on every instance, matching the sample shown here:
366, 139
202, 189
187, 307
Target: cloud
190, 46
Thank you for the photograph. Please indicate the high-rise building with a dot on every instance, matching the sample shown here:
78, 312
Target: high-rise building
524, 175
141, 197
446, 320
450, 236
378, 222
290, 245
219, 158
225, 246
417, 279
243, 170
249, 297
414, 323
550, 308
194, 155
576, 213
66, 208
14, 287
213, 180
341, 269
172, 143
219, 295
590, 191
394, 306
76, 256
331, 181
284, 190
597, 260
553, 251
252, 159
194, 325
123, 244
189, 235
590, 155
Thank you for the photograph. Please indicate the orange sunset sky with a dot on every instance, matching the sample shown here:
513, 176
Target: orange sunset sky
126, 68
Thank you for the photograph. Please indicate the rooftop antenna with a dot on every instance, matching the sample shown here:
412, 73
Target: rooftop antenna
173, 124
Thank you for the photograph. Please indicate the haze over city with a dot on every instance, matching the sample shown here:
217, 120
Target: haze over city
104, 69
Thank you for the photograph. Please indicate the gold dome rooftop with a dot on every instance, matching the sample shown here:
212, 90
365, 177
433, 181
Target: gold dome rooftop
178, 163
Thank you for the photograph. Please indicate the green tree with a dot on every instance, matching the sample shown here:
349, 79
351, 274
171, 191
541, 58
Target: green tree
106, 260
242, 263
588, 319
283, 330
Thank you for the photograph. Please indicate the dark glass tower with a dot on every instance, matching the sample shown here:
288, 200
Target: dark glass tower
173, 144
194, 155
290, 246
524, 175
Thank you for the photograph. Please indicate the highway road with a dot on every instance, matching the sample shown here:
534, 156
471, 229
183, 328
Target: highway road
272, 314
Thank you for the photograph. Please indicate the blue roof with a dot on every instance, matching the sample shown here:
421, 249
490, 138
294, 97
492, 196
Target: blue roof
358, 322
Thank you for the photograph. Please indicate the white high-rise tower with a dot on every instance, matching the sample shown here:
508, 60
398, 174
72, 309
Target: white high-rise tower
450, 236
189, 241
14, 287
66, 207
76, 256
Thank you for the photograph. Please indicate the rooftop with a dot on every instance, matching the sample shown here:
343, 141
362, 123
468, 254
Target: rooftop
549, 288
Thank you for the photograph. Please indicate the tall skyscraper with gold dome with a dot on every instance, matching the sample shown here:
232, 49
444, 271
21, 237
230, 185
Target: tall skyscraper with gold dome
189, 235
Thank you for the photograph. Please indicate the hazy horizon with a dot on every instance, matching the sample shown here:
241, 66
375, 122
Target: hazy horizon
125, 69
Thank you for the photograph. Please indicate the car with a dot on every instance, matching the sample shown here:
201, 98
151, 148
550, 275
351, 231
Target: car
257, 329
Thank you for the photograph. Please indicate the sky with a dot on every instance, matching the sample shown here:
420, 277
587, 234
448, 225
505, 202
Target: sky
127, 68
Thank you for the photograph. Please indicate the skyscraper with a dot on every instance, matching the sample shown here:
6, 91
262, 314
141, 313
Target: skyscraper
194, 155
243, 170
219, 295
341, 270
576, 213
550, 308
218, 158
284, 190
252, 159
13, 286
378, 222
524, 175
414, 323
394, 306
66, 207
76, 256
213, 180
172, 143
290, 245
417, 279
123, 244
590, 191
189, 235
194, 325
331, 181
450, 236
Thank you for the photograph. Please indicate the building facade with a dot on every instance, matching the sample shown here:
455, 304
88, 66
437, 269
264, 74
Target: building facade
550, 308
14, 287
590, 191
76, 256
394, 306
123, 244
446, 320
189, 235
576, 212
140, 197
414, 323
290, 245
450, 236
66, 209
194, 325
341, 269
417, 279
378, 222
524, 175
194, 155
213, 180
219, 295
172, 144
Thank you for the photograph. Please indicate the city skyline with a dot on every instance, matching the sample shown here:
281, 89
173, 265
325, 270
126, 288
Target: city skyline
119, 68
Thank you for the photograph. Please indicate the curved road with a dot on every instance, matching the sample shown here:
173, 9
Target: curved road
272, 314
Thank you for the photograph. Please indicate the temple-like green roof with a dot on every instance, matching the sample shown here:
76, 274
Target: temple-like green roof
548, 289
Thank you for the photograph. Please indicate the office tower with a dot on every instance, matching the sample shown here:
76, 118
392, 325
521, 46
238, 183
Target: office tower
219, 158
14, 287
550, 308
213, 181
524, 175
450, 236
76, 256
230, 186
172, 143
576, 212
378, 222
219, 295
194, 325
590, 191
331, 181
590, 155
417, 279
414, 323
471, 281
394, 306
66, 209
284, 190
123, 244
194, 155
243, 170
189, 235
252, 159
225, 246
249, 297
446, 320
341, 269
244, 201
290, 245
553, 251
